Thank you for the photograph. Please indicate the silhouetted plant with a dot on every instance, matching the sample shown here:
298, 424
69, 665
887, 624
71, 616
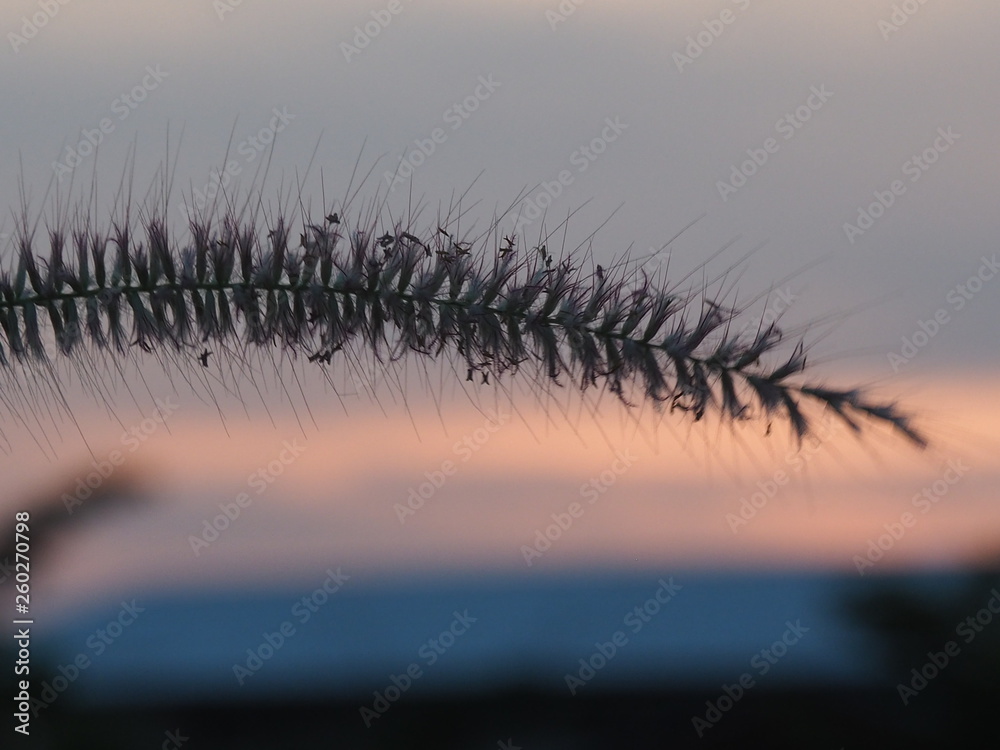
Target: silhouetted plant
497, 306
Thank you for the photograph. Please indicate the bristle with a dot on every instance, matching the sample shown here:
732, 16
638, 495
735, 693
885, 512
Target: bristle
407, 292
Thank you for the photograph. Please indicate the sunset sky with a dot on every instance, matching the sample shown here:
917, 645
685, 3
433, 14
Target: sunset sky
855, 149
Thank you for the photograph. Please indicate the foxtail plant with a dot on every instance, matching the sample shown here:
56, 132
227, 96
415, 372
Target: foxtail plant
332, 290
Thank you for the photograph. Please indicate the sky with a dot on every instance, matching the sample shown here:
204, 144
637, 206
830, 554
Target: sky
850, 146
